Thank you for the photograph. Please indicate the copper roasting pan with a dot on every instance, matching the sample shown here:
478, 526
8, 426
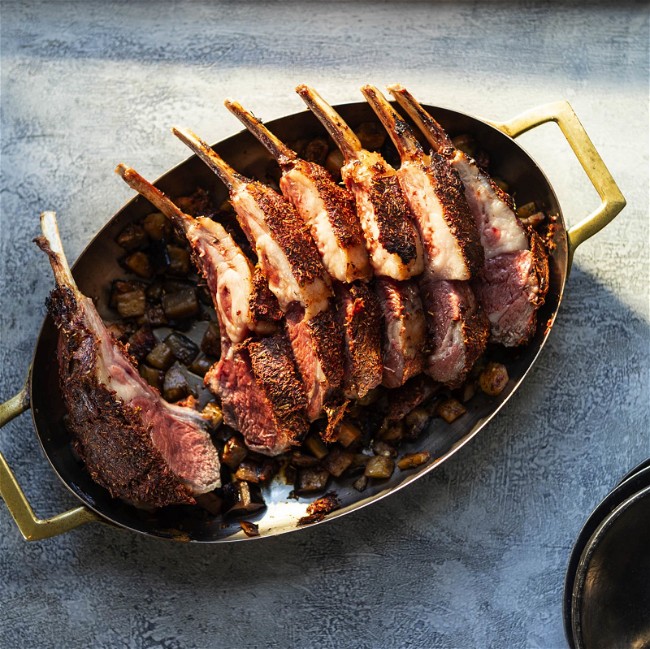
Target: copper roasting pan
97, 265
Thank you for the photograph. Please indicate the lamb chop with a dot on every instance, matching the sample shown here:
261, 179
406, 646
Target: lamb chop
360, 317
514, 279
404, 330
135, 444
285, 249
391, 237
326, 207
434, 192
290, 261
243, 306
247, 376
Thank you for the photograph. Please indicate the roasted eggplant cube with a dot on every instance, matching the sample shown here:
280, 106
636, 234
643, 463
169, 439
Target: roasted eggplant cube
240, 497
253, 471
302, 461
213, 415
175, 386
379, 467
200, 365
348, 434
450, 410
234, 451
211, 342
182, 347
152, 376
415, 422
139, 264
412, 460
179, 261
132, 237
311, 480
132, 304
315, 446
160, 357
180, 304
337, 461
157, 226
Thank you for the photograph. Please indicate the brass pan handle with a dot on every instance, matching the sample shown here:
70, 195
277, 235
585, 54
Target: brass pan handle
562, 114
31, 527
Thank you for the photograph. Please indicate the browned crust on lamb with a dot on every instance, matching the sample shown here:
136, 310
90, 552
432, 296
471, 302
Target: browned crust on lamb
394, 219
263, 304
274, 369
363, 334
476, 333
539, 253
339, 204
328, 339
107, 433
290, 232
456, 211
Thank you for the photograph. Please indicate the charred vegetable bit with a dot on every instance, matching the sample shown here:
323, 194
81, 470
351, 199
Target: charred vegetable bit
254, 471
337, 461
311, 480
175, 386
141, 342
383, 449
200, 365
242, 497
392, 432
152, 376
132, 237
157, 226
450, 410
249, 529
182, 347
348, 434
179, 261
180, 304
315, 446
161, 356
416, 421
493, 379
379, 467
211, 502
211, 342
139, 263
131, 304
234, 452
361, 483
411, 460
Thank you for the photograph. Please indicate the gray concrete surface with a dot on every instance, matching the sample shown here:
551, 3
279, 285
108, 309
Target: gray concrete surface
473, 555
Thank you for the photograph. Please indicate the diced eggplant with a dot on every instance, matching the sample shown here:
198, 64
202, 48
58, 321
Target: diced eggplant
234, 452
203, 294
213, 414
181, 304
493, 379
360, 483
290, 474
534, 220
161, 357
311, 480
302, 461
132, 237
211, 342
141, 342
379, 467
314, 444
316, 150
412, 460
415, 422
383, 449
131, 305
155, 316
450, 410
159, 256
120, 330
175, 386
179, 261
257, 472
348, 434
139, 264
152, 376
121, 286
249, 529
468, 391
391, 432
239, 497
200, 365
526, 210
154, 291
184, 349
337, 461
157, 226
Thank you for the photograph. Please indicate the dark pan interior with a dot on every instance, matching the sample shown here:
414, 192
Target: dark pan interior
98, 265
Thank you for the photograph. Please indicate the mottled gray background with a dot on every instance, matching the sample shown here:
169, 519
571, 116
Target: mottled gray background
473, 555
